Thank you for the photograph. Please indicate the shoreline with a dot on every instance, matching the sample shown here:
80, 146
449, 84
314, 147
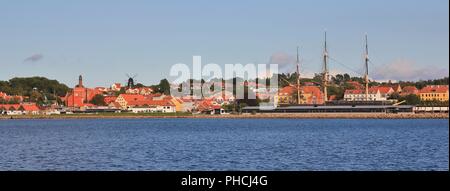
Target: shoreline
242, 116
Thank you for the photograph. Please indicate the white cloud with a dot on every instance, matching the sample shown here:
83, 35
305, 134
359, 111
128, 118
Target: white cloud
407, 70
286, 62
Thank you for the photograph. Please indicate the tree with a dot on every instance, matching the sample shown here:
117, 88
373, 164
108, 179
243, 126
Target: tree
411, 99
37, 88
337, 91
395, 95
139, 85
35, 96
347, 77
164, 87
98, 100
338, 79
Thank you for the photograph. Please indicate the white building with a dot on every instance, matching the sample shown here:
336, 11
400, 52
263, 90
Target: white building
375, 94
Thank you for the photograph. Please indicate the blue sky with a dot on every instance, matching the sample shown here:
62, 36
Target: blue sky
104, 40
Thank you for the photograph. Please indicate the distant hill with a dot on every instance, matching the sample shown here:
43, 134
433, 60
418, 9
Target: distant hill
26, 86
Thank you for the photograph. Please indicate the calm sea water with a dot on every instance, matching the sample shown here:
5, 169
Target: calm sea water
224, 144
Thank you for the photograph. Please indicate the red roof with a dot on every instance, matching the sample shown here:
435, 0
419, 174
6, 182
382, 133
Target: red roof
382, 89
151, 103
204, 105
132, 97
410, 89
315, 91
289, 90
359, 91
8, 106
435, 89
3, 95
26, 107
140, 100
109, 99
332, 98
30, 107
216, 107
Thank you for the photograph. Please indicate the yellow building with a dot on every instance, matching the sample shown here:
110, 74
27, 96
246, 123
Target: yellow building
178, 104
308, 95
434, 92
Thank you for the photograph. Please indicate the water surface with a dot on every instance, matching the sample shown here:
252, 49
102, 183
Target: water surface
224, 144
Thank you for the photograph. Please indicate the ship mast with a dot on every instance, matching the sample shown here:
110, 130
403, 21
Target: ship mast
298, 78
325, 70
366, 67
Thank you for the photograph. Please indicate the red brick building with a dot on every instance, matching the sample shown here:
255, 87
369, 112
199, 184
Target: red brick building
80, 96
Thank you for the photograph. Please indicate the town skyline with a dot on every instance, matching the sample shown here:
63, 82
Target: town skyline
53, 39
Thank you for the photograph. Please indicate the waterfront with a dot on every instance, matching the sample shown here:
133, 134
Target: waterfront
237, 116
224, 144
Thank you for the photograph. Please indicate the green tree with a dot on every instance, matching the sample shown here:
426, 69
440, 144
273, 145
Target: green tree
337, 91
27, 86
164, 87
411, 99
139, 85
35, 96
98, 100
347, 77
338, 79
395, 95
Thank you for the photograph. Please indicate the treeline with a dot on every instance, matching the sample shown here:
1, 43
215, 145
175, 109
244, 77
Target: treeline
341, 79
422, 83
37, 89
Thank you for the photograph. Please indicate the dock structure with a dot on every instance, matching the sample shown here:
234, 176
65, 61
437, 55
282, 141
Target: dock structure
334, 109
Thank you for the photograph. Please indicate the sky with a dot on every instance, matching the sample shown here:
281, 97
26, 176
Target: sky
104, 40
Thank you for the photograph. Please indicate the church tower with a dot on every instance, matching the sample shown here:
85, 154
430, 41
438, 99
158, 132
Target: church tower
80, 81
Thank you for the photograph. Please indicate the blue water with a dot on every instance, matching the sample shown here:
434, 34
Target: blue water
224, 144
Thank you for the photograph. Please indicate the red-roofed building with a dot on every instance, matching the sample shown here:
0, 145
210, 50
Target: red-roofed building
397, 88
285, 95
19, 109
101, 89
308, 95
3, 95
125, 99
116, 87
434, 92
376, 93
206, 106
141, 91
7, 98
9, 107
80, 96
109, 99
141, 104
332, 98
311, 95
407, 90
383, 89
223, 97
